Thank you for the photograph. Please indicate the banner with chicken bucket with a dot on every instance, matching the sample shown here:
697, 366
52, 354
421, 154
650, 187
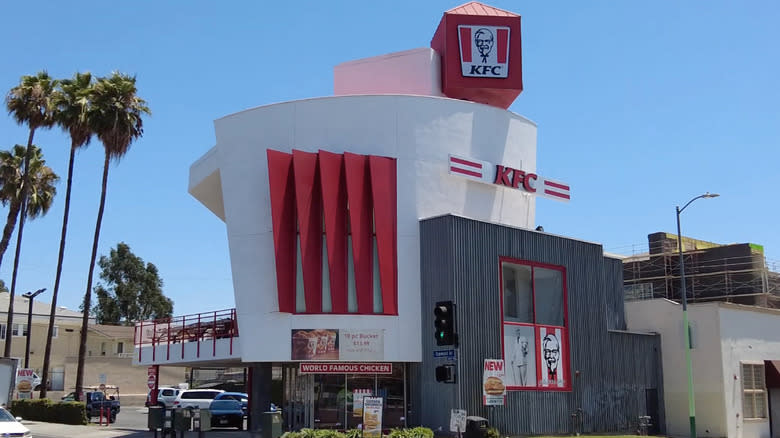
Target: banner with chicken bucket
337, 344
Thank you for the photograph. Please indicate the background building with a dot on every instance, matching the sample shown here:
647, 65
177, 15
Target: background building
735, 356
736, 273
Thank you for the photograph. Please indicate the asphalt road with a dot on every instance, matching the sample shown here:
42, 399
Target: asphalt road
130, 423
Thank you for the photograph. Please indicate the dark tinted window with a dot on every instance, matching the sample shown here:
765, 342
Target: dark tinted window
199, 395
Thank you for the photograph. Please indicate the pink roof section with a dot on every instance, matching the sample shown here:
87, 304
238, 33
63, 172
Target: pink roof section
477, 8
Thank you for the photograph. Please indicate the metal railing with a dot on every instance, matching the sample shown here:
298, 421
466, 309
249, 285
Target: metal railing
201, 328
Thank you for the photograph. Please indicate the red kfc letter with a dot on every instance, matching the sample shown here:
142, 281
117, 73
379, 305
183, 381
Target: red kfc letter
502, 175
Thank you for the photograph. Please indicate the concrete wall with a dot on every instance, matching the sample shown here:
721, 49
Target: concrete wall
748, 334
665, 317
420, 132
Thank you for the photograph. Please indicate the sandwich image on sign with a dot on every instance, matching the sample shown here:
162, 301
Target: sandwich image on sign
494, 386
371, 421
24, 386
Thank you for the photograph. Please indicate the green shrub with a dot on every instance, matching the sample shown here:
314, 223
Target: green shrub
492, 432
328, 433
45, 410
290, 434
353, 433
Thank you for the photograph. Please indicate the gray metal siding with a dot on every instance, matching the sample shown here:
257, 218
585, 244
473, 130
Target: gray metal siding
460, 261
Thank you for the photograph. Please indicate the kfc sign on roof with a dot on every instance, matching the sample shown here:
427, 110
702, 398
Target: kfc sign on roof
481, 57
502, 175
484, 51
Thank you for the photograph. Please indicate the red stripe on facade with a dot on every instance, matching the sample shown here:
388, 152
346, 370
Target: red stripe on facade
465, 163
502, 42
465, 44
556, 194
308, 199
465, 172
282, 193
556, 185
383, 189
361, 227
334, 196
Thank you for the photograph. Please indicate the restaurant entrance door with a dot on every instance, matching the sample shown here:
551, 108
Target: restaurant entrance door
334, 401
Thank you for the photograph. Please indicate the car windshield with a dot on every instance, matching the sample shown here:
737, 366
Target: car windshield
226, 405
6, 416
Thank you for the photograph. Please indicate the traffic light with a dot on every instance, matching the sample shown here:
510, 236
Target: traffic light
444, 319
445, 373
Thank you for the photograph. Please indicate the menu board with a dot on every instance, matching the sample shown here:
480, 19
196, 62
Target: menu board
337, 344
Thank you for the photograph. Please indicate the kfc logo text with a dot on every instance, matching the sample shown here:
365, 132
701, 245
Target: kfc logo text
484, 51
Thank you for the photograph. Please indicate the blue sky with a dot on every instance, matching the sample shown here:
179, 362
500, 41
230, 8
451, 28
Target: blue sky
640, 106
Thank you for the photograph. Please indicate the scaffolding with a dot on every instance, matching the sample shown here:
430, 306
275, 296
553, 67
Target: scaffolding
736, 273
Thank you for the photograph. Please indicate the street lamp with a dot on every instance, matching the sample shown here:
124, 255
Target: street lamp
30, 296
688, 367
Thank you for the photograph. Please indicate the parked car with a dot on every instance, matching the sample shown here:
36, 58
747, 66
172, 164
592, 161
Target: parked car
196, 398
95, 400
227, 413
10, 426
241, 397
165, 397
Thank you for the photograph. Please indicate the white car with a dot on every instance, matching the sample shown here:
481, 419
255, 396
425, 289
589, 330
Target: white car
165, 397
10, 426
196, 398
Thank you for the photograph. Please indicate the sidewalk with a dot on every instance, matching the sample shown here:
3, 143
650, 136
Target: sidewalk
39, 428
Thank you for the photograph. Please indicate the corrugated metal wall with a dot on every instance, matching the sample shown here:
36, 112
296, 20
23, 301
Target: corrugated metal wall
459, 261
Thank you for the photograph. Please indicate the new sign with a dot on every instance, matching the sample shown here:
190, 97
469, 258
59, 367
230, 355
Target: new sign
502, 175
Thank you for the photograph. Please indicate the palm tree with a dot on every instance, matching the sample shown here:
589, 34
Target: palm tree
115, 117
72, 105
29, 103
40, 195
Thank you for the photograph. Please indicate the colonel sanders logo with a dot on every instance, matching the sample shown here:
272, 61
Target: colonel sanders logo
484, 51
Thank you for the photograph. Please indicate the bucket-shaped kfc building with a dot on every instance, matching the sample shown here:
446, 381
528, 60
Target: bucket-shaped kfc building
351, 217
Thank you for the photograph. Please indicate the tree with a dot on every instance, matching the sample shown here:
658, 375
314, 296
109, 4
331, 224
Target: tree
131, 289
72, 103
3, 287
40, 195
115, 117
29, 103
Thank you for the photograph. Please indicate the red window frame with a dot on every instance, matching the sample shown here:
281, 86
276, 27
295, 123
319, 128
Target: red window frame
564, 341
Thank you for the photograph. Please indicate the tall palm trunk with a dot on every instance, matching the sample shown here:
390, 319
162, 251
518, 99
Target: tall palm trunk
22, 213
88, 293
52, 314
10, 225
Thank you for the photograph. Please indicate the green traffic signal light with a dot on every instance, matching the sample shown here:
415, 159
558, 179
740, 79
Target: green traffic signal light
444, 319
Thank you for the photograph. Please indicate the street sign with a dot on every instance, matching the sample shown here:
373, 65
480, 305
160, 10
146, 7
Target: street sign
444, 354
151, 371
151, 381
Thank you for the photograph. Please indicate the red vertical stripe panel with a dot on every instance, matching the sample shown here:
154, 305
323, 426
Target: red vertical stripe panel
282, 188
334, 196
502, 38
308, 199
465, 44
361, 227
383, 188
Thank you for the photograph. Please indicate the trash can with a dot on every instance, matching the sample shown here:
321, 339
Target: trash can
182, 419
476, 427
271, 424
205, 420
156, 417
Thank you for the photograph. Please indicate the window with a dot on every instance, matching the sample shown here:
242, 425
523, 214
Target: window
2, 331
55, 332
19, 330
753, 390
120, 347
535, 334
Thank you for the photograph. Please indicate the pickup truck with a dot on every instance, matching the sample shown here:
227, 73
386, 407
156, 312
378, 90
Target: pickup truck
94, 400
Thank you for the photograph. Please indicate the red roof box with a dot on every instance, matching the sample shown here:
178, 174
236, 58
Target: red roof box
481, 56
